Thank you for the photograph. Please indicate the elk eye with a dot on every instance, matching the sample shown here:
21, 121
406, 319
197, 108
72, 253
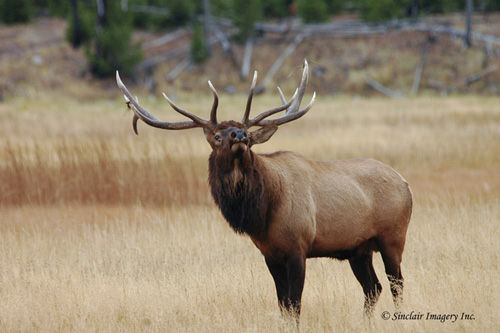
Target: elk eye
217, 137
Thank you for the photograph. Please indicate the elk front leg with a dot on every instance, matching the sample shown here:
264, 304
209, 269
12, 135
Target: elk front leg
288, 278
279, 273
296, 272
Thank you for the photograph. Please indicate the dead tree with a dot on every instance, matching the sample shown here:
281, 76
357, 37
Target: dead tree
468, 22
178, 69
479, 75
420, 67
77, 39
168, 38
383, 90
245, 66
226, 45
207, 24
277, 64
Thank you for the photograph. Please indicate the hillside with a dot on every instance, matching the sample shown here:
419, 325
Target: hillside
36, 57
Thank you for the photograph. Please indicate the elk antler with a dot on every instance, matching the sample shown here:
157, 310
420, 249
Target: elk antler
291, 107
148, 118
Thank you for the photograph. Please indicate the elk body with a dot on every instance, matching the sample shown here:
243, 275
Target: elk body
294, 208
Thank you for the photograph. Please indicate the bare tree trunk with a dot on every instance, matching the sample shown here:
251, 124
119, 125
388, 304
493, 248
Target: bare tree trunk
245, 66
468, 22
101, 13
77, 32
489, 53
101, 22
226, 45
419, 70
207, 24
414, 9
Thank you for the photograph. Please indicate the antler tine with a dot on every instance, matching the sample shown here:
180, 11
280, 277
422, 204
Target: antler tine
288, 117
291, 113
188, 114
148, 118
301, 89
270, 112
249, 100
213, 113
283, 99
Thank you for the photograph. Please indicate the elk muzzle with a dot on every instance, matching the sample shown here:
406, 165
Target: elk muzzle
239, 140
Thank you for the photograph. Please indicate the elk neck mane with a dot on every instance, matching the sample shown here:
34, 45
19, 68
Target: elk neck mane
244, 189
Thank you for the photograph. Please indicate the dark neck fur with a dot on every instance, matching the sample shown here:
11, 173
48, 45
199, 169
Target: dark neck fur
242, 189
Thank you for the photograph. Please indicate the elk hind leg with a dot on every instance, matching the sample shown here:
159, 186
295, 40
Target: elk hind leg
362, 268
392, 256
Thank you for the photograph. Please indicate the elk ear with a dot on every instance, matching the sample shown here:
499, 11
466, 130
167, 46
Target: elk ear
262, 134
209, 135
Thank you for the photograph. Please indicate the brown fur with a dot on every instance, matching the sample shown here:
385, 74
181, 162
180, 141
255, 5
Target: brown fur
293, 207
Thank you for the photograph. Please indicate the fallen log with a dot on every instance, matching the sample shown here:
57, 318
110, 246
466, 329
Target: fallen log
148, 63
226, 44
479, 75
178, 69
383, 90
168, 38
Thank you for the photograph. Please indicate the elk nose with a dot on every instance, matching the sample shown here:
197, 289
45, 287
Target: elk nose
239, 135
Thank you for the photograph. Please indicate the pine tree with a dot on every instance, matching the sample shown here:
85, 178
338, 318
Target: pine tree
80, 24
382, 10
276, 8
246, 13
198, 48
15, 11
312, 11
110, 48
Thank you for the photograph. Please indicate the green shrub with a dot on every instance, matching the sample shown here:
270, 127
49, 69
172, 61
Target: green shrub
313, 11
86, 29
245, 14
337, 6
489, 5
276, 8
382, 10
15, 11
110, 49
198, 48
440, 6
180, 13
59, 7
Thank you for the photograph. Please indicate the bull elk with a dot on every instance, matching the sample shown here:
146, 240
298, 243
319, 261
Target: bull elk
294, 208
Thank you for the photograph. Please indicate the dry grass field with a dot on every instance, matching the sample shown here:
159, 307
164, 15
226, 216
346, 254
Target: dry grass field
101, 230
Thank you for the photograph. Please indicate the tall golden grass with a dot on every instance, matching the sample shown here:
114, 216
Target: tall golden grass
104, 231
71, 153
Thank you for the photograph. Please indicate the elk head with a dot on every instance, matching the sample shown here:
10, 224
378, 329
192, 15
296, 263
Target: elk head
228, 138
